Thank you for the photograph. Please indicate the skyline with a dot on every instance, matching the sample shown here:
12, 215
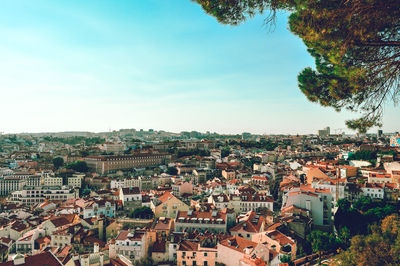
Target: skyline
179, 132
73, 66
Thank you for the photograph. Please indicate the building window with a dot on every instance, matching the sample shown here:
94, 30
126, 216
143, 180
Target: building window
205, 254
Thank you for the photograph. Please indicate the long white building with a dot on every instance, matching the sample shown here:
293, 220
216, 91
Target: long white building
32, 195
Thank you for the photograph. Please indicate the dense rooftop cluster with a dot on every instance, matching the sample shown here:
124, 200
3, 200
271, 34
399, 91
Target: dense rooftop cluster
157, 198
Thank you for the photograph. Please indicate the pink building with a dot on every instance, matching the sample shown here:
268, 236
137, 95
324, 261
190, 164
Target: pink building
277, 241
181, 188
234, 250
191, 254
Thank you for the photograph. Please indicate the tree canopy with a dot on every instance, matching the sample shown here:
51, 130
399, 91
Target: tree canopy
357, 217
78, 166
142, 212
58, 162
323, 241
172, 171
355, 44
382, 247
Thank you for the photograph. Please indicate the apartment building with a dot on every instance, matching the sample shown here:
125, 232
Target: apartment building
131, 244
143, 183
233, 250
51, 181
228, 174
167, 205
380, 178
277, 241
251, 223
26, 243
181, 188
99, 207
373, 190
32, 195
212, 221
75, 180
260, 180
332, 185
220, 201
317, 201
245, 202
191, 253
131, 197
113, 147
62, 237
10, 184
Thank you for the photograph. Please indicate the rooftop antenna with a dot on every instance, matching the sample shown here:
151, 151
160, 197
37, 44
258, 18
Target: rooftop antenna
337, 184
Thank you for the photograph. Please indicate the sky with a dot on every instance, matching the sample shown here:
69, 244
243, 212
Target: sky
161, 64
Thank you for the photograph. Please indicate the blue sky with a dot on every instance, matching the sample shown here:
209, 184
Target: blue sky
162, 64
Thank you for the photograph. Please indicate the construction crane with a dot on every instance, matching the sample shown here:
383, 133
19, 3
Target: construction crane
338, 130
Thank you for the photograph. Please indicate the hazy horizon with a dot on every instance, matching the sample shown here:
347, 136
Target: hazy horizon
177, 132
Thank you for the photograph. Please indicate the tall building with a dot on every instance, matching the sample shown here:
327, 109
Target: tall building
10, 184
324, 132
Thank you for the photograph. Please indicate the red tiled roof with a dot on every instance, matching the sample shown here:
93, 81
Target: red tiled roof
166, 196
131, 191
124, 235
159, 246
280, 238
238, 243
41, 259
187, 245
315, 190
19, 226
264, 178
59, 221
117, 262
376, 175
251, 224
162, 224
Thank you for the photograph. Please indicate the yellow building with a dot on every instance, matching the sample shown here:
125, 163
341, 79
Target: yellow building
113, 229
167, 206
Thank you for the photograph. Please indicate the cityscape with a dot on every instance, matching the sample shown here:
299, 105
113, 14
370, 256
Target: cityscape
148, 197
200, 133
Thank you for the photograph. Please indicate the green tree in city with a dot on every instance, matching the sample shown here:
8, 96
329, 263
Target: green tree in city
225, 152
172, 171
58, 162
78, 166
323, 241
142, 212
381, 247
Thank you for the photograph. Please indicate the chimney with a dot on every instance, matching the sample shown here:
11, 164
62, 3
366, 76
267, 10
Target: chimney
85, 260
96, 248
19, 259
101, 259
